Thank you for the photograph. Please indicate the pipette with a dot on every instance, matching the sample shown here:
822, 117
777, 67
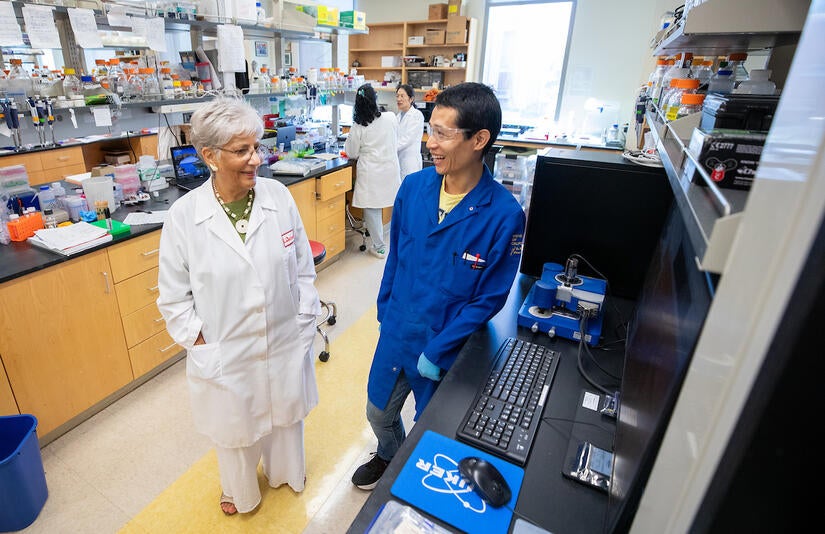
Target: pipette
15, 128
35, 116
42, 117
50, 118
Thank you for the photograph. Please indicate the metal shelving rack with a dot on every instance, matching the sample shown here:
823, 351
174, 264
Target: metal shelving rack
712, 215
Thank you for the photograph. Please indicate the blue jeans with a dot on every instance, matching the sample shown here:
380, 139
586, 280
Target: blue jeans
387, 423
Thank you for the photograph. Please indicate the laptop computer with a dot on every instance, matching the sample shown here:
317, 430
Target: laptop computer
190, 170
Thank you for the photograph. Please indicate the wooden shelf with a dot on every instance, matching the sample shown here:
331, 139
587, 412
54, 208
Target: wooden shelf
399, 49
450, 45
390, 38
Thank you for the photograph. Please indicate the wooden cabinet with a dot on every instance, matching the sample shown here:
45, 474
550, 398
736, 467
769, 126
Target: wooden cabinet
54, 165
61, 339
8, 406
304, 195
391, 39
322, 203
330, 210
135, 275
59, 163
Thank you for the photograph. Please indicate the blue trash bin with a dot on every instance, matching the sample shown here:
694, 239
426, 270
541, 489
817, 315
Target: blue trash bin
23, 489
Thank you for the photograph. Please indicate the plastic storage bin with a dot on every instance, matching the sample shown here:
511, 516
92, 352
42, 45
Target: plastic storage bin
23, 489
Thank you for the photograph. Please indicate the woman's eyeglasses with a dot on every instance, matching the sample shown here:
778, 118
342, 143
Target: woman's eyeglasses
440, 133
246, 153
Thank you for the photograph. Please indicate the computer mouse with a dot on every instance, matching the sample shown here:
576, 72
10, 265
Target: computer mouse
485, 480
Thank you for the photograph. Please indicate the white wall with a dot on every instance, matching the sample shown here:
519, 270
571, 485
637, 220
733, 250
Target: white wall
609, 57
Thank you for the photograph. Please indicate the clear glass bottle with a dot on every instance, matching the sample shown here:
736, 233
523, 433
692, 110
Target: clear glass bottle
20, 85
722, 81
49, 219
691, 103
674, 99
673, 72
151, 88
736, 63
655, 79
166, 86
758, 83
702, 71
117, 78
101, 71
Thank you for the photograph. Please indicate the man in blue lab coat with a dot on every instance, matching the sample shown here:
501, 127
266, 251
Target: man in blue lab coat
455, 246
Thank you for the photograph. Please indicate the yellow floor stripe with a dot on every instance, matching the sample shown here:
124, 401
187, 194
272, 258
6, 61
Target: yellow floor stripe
336, 433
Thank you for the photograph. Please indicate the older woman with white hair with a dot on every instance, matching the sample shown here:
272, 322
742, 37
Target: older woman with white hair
236, 290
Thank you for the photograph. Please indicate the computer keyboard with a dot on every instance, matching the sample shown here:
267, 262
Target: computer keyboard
506, 413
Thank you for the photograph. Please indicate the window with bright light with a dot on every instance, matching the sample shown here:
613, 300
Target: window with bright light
525, 54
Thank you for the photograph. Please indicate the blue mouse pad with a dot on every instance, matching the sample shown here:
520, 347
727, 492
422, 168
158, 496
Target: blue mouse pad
430, 481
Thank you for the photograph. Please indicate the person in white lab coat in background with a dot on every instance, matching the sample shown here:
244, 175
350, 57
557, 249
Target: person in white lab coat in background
236, 285
373, 141
410, 130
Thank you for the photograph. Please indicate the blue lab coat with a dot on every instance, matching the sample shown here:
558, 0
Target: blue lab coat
441, 281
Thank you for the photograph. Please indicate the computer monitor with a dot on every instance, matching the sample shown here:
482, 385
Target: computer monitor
598, 205
662, 335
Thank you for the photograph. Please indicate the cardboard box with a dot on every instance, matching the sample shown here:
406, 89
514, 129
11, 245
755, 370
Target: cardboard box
730, 157
415, 40
437, 12
457, 22
456, 37
325, 15
434, 37
357, 20
390, 61
454, 8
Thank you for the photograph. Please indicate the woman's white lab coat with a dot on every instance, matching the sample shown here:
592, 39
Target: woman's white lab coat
377, 172
410, 130
255, 370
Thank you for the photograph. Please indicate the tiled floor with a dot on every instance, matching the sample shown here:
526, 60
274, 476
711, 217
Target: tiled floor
107, 469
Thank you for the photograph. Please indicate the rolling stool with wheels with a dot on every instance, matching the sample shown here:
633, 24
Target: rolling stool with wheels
319, 252
357, 225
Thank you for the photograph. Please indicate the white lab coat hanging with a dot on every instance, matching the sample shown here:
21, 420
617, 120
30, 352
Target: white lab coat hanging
256, 369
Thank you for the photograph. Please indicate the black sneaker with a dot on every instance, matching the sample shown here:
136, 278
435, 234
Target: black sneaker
367, 476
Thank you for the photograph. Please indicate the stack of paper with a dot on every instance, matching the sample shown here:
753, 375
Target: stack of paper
68, 240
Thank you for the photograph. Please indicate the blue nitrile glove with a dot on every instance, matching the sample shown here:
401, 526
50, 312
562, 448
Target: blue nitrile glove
428, 369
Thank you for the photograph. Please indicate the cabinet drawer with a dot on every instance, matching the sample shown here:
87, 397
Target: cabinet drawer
137, 292
30, 161
327, 208
55, 175
335, 245
134, 256
56, 159
152, 352
141, 324
333, 184
329, 226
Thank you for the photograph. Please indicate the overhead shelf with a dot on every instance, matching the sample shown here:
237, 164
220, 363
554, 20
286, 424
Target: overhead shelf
722, 27
711, 215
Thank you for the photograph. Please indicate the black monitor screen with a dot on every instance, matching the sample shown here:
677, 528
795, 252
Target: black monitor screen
662, 335
188, 164
598, 205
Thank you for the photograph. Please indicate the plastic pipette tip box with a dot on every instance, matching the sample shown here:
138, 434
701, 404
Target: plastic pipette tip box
118, 227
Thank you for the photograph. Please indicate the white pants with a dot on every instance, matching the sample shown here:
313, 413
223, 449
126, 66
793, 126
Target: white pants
373, 218
282, 453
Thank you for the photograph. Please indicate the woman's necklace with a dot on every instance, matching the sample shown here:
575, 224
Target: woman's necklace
242, 223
